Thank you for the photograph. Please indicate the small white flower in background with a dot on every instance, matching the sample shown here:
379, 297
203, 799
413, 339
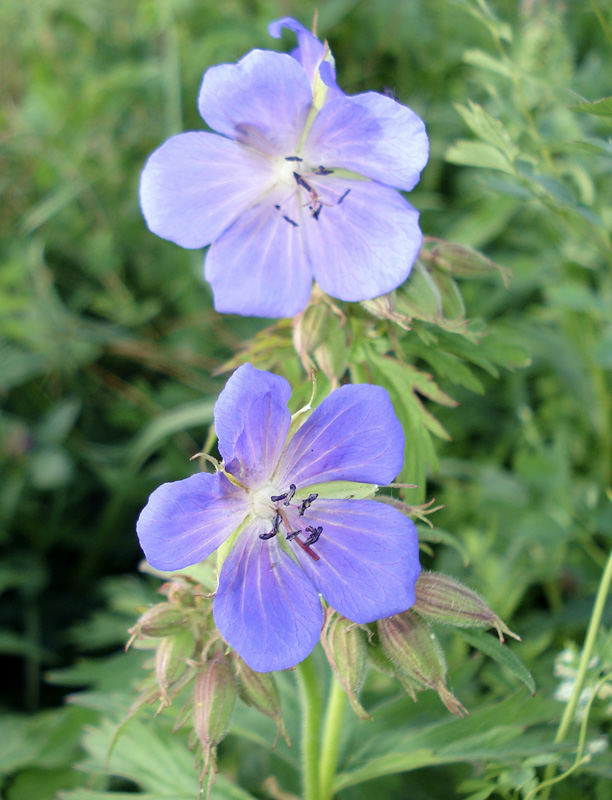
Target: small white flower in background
566, 668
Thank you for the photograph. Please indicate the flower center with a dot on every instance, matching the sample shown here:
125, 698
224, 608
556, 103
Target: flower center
280, 509
286, 168
293, 171
262, 504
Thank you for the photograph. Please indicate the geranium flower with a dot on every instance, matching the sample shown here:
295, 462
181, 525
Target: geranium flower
282, 500
299, 181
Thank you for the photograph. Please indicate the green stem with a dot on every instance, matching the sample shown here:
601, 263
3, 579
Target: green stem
173, 110
334, 716
587, 654
310, 699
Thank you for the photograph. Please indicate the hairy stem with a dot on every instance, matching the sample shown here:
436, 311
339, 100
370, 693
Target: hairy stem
334, 716
310, 699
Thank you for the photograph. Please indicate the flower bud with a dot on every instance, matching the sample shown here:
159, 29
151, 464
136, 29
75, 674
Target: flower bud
214, 696
444, 600
420, 297
462, 261
309, 331
413, 647
180, 592
171, 661
160, 620
259, 689
345, 648
383, 307
331, 354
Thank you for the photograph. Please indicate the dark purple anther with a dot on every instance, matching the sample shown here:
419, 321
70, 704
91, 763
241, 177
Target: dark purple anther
301, 182
323, 171
277, 207
292, 534
293, 158
290, 493
275, 526
290, 221
343, 196
314, 535
306, 504
316, 212
276, 498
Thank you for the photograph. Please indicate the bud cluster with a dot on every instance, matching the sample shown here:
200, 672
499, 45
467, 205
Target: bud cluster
405, 646
431, 294
191, 660
320, 337
345, 647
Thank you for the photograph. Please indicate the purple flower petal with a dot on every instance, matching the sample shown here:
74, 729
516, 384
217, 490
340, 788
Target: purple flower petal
196, 184
309, 51
185, 521
368, 558
265, 607
353, 435
262, 101
370, 134
365, 245
260, 266
252, 421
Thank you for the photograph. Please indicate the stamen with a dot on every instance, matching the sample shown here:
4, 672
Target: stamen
290, 493
277, 207
292, 534
343, 196
276, 498
317, 211
293, 158
275, 526
306, 504
323, 171
290, 221
315, 533
301, 182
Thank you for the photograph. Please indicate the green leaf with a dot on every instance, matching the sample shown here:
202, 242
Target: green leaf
478, 58
59, 421
436, 535
168, 423
496, 732
26, 741
491, 646
489, 129
466, 153
156, 759
43, 784
600, 108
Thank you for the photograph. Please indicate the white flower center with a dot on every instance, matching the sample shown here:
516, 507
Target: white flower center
285, 170
261, 503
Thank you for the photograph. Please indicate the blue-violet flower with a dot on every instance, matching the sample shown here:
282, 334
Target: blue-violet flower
281, 507
298, 182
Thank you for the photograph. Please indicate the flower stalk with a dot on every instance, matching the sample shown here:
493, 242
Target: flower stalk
310, 701
330, 746
587, 653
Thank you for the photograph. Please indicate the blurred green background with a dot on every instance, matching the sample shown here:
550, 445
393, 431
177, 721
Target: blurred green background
108, 339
